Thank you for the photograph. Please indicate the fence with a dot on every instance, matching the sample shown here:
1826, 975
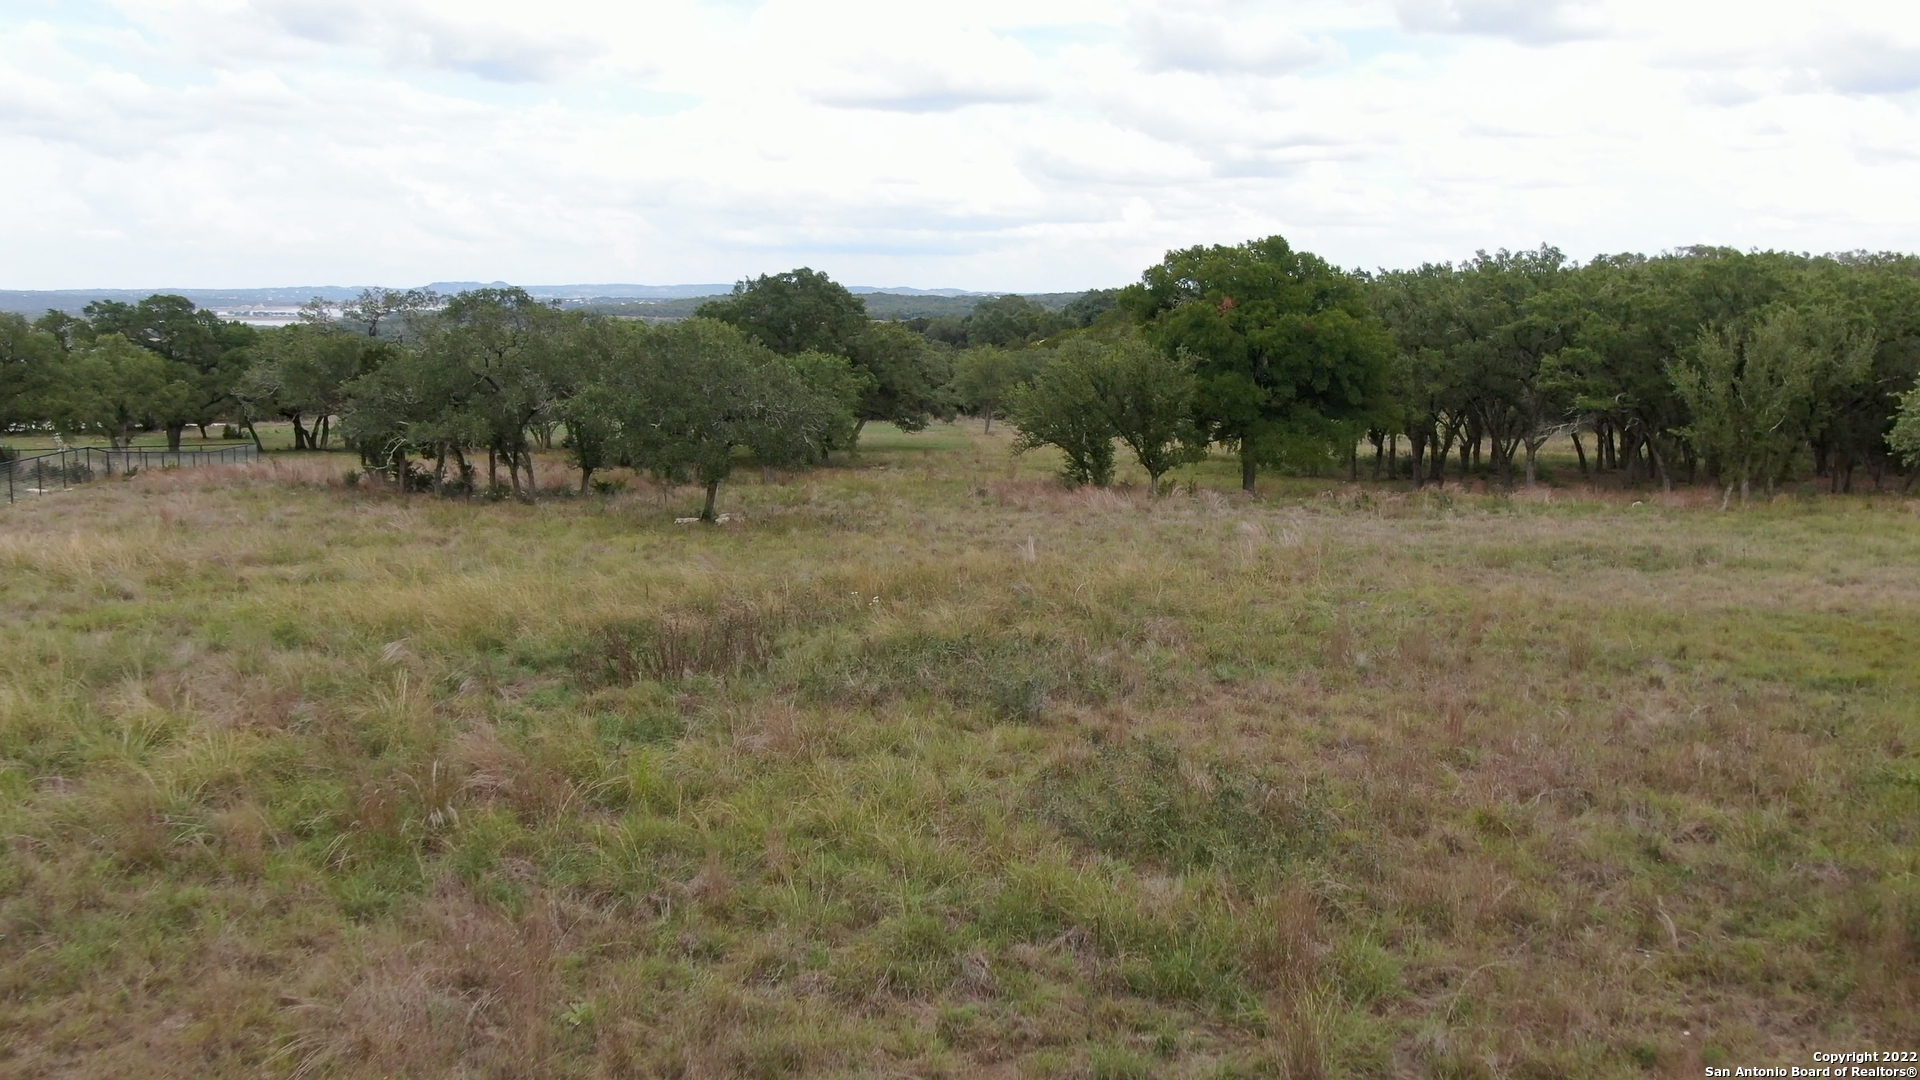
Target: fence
58, 470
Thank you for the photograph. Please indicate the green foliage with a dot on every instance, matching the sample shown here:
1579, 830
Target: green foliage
904, 376
211, 354
797, 311
1747, 389
984, 376
687, 395
1905, 436
1064, 408
805, 311
1009, 322
302, 371
28, 356
1091, 391
1148, 399
1089, 306
112, 386
840, 388
1285, 345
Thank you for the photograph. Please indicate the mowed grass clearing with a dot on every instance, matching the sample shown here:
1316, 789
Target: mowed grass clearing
932, 767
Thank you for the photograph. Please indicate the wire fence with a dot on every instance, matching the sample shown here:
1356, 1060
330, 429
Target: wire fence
57, 470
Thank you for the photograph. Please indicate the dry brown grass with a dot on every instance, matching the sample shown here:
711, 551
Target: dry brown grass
934, 767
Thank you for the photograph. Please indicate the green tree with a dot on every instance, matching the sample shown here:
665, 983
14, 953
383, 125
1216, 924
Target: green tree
1286, 349
1085, 309
382, 313
113, 387
1747, 389
1010, 322
985, 375
1147, 396
1060, 408
212, 354
1904, 436
698, 391
1428, 400
1090, 391
302, 371
411, 403
904, 375
804, 311
599, 349
799, 311
505, 363
841, 389
28, 359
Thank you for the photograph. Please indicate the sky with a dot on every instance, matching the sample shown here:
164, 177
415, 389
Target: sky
1031, 145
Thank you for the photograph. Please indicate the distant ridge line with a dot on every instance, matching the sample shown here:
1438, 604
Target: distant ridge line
36, 301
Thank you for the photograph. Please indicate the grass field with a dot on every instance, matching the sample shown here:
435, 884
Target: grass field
932, 767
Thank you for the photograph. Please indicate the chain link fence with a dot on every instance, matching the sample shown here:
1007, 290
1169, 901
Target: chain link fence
26, 475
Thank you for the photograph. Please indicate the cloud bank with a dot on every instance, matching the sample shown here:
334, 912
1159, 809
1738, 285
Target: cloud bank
1036, 145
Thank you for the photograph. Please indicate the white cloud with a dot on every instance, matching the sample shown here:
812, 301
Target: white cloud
1224, 43
461, 39
1040, 144
1532, 21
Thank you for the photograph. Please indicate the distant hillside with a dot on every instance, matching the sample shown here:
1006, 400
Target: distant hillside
658, 301
71, 301
890, 304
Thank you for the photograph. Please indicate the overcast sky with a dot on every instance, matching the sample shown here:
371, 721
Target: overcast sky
987, 144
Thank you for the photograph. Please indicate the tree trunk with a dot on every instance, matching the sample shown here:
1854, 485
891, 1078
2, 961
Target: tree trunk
258, 447
1246, 470
326, 430
713, 490
1659, 465
466, 471
1444, 453
1353, 463
493, 470
585, 475
1580, 452
1533, 471
1379, 454
174, 431
440, 472
989, 411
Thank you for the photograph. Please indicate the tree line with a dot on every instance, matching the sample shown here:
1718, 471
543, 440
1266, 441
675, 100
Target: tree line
1705, 363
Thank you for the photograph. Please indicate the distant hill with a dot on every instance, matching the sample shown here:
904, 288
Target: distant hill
650, 301
881, 304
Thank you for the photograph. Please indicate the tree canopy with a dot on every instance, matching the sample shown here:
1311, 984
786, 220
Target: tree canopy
1288, 354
